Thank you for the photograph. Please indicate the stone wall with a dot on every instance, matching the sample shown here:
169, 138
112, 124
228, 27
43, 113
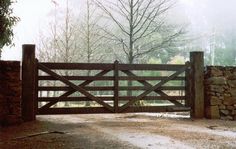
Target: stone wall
220, 92
10, 93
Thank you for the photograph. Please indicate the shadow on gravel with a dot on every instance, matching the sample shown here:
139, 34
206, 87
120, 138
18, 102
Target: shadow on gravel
47, 134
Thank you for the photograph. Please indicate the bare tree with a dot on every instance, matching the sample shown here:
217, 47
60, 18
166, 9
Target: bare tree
66, 41
61, 43
91, 43
142, 26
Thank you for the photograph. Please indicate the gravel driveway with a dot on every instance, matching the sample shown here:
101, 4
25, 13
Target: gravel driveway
148, 131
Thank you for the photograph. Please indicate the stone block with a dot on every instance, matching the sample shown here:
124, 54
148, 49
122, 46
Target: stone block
216, 88
3, 111
227, 94
15, 108
232, 83
233, 92
234, 112
215, 101
230, 108
210, 93
216, 81
12, 120
228, 101
222, 107
224, 112
227, 118
227, 73
230, 118
221, 98
212, 112
10, 93
214, 71
232, 77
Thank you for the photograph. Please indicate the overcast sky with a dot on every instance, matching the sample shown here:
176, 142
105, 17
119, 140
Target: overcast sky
35, 15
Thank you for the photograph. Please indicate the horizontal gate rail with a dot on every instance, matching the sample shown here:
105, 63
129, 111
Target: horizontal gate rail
87, 110
104, 66
108, 78
104, 88
111, 98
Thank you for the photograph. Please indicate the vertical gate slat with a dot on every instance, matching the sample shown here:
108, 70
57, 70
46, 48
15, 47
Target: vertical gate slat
116, 86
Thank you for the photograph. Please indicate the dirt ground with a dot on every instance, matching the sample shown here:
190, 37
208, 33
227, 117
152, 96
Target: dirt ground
131, 131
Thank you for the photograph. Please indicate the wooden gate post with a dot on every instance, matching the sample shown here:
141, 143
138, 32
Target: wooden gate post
116, 86
28, 83
197, 86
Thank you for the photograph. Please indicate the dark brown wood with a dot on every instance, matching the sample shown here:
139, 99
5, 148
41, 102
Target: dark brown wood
77, 78
92, 110
36, 87
145, 88
156, 67
82, 110
104, 88
116, 86
107, 98
28, 83
148, 78
68, 93
79, 66
70, 88
197, 91
125, 106
188, 87
88, 88
104, 66
77, 88
156, 109
108, 78
48, 99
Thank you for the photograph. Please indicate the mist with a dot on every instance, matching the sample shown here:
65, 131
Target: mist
210, 24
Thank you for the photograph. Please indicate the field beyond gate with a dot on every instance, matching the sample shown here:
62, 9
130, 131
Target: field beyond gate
73, 88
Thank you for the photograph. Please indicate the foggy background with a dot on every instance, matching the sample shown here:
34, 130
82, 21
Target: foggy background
210, 25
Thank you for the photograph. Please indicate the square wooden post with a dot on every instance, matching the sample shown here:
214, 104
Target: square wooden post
116, 87
28, 83
197, 84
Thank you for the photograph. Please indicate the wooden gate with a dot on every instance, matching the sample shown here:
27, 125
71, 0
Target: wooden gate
158, 91
125, 97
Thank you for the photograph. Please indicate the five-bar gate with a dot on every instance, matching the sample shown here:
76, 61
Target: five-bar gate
74, 88
123, 97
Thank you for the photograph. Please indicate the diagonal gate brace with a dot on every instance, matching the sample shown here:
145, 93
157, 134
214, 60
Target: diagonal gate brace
76, 88
145, 83
68, 93
125, 106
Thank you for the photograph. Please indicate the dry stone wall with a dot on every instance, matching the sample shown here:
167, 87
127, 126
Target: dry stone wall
10, 93
220, 92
